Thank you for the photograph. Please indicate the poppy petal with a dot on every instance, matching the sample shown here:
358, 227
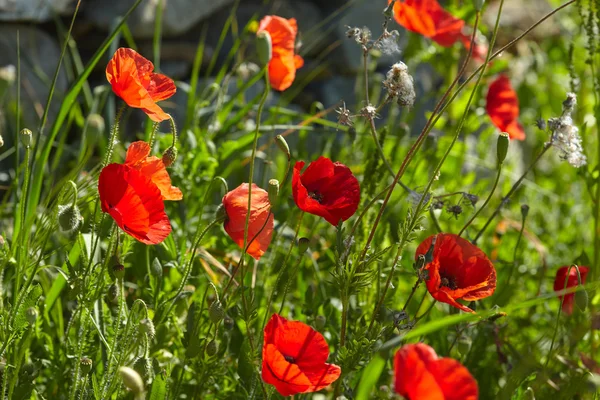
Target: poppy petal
571, 281
502, 106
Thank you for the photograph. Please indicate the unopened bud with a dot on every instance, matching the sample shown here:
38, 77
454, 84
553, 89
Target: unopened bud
303, 244
502, 147
464, 345
216, 312
320, 322
478, 4
524, 211
283, 146
26, 137
113, 293
388, 12
31, 314
69, 217
156, 268
581, 298
211, 348
132, 380
169, 156
119, 271
86, 365
147, 327
221, 213
264, 47
273, 191
95, 128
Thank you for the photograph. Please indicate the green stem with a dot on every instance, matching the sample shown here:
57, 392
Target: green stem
111, 361
487, 200
22, 264
557, 318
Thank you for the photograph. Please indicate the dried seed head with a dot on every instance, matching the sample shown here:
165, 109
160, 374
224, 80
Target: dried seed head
456, 210
399, 85
344, 116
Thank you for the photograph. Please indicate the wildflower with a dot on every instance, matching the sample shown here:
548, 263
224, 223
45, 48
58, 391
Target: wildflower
503, 108
260, 226
420, 374
457, 270
284, 61
293, 358
571, 281
133, 193
344, 116
326, 189
132, 79
369, 111
399, 85
565, 135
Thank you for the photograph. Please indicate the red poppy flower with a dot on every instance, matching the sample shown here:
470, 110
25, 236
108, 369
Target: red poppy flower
134, 202
294, 358
152, 167
421, 375
326, 189
503, 108
284, 61
259, 228
429, 19
458, 270
132, 79
571, 280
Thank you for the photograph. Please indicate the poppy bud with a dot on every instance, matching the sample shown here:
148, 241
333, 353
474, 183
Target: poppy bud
169, 156
581, 298
464, 345
388, 12
216, 312
283, 146
502, 147
113, 293
147, 327
320, 322
156, 268
86, 365
132, 380
303, 244
69, 217
119, 271
221, 213
95, 128
31, 314
264, 47
228, 323
273, 190
211, 348
26, 136
478, 4
524, 210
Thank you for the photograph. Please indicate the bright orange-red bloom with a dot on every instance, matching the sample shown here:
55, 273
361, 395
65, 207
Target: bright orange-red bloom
327, 189
503, 108
429, 19
457, 270
131, 194
132, 79
294, 358
284, 62
571, 281
421, 375
260, 226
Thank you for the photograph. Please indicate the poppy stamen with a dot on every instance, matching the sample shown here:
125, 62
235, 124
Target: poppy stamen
316, 196
289, 359
448, 282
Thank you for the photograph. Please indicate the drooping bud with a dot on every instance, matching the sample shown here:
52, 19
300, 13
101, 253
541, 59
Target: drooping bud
132, 380
113, 293
147, 327
463, 345
273, 191
264, 47
216, 312
320, 322
26, 137
524, 211
581, 298
211, 348
502, 147
169, 156
156, 268
221, 213
31, 314
86, 365
303, 245
283, 146
69, 217
388, 12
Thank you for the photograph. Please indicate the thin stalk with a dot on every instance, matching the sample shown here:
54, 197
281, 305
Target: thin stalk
22, 264
111, 365
487, 200
558, 318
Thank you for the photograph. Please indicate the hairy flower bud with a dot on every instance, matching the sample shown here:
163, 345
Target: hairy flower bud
303, 245
502, 147
26, 137
264, 47
156, 268
147, 327
69, 217
211, 348
169, 156
581, 298
119, 271
1, 141
216, 312
132, 380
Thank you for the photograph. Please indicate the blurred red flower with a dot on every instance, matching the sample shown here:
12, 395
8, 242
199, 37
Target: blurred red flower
260, 226
326, 189
132, 79
294, 358
457, 270
421, 375
429, 19
503, 108
571, 281
284, 62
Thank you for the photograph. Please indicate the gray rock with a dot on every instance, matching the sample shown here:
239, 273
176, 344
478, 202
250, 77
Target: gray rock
33, 10
178, 16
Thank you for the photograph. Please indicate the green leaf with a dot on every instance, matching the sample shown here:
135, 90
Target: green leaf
95, 387
369, 377
159, 388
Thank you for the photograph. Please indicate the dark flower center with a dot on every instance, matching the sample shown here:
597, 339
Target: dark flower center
449, 282
316, 196
290, 359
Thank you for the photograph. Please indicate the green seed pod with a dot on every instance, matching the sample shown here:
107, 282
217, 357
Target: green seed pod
211, 348
478, 4
156, 268
147, 327
26, 137
69, 218
464, 345
264, 47
132, 380
119, 271
169, 156
86, 365
31, 314
273, 190
283, 146
524, 210
320, 322
216, 312
303, 244
581, 298
502, 147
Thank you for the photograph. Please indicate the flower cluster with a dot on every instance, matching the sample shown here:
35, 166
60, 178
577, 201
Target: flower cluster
565, 135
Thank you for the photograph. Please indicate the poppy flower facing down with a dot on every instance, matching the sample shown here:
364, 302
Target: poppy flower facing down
284, 61
571, 281
429, 19
457, 270
260, 228
133, 193
503, 108
326, 189
419, 374
132, 79
293, 358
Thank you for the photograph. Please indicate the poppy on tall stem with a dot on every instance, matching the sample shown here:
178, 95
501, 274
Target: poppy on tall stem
327, 189
455, 269
502, 106
294, 358
131, 78
419, 374
567, 277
